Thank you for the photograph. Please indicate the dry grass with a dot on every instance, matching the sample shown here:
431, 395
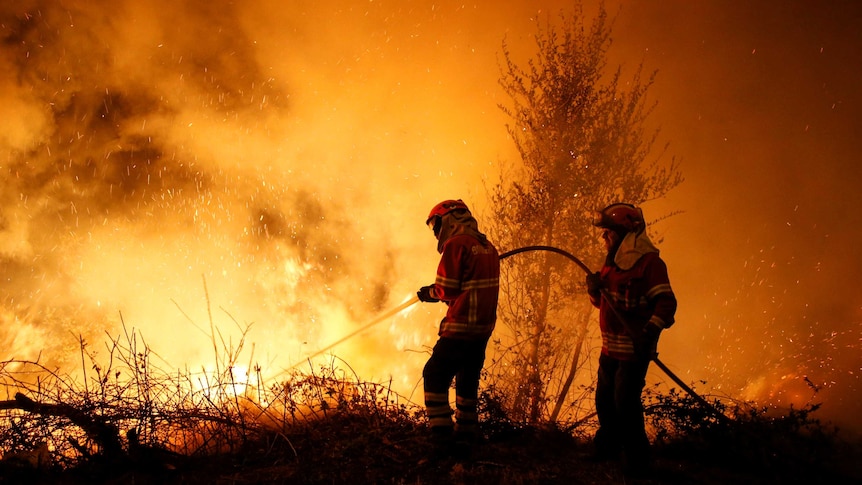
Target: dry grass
125, 420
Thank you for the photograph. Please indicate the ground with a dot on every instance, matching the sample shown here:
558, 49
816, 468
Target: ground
369, 450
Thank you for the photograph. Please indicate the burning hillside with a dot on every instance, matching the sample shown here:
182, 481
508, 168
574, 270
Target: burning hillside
228, 189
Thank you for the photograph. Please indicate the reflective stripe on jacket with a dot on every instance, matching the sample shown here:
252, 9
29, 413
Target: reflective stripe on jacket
468, 281
642, 295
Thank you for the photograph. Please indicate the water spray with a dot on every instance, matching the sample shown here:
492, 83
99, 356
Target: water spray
604, 293
407, 304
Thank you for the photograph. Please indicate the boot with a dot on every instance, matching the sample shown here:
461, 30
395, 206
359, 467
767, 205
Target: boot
465, 443
442, 442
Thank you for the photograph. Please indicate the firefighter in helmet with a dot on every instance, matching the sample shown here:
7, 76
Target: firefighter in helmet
636, 303
468, 282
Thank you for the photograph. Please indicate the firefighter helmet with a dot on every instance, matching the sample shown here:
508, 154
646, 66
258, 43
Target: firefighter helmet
435, 217
444, 208
620, 217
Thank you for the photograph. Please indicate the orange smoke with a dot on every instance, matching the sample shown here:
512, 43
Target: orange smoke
209, 178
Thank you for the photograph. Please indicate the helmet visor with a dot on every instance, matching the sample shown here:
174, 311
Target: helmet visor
599, 219
435, 223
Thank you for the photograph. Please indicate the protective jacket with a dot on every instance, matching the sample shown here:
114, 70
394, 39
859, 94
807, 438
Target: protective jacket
639, 289
468, 281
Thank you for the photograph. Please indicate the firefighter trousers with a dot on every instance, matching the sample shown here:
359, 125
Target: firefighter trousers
620, 410
461, 360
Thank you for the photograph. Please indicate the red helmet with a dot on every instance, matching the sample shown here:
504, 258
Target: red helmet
436, 216
620, 217
444, 208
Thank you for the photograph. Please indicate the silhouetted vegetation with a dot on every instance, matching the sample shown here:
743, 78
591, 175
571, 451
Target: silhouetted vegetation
581, 131
131, 422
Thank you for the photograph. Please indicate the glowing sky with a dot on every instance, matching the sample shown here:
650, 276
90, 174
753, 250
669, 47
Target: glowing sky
760, 102
285, 153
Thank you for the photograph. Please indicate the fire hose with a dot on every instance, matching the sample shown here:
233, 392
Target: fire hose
632, 331
654, 358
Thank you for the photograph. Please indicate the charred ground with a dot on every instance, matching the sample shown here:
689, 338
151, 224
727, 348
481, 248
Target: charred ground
359, 434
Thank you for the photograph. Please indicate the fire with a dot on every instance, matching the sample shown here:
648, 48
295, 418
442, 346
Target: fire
237, 382
208, 193
782, 391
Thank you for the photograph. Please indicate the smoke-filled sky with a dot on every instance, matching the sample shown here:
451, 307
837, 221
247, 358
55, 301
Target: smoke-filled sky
759, 99
271, 164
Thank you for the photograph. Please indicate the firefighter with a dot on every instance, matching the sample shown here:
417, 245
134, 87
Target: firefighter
468, 282
636, 303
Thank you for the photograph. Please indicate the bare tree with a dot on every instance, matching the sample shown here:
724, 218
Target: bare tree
580, 132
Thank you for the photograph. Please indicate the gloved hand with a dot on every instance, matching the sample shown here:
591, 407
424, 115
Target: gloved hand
646, 344
594, 284
424, 294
